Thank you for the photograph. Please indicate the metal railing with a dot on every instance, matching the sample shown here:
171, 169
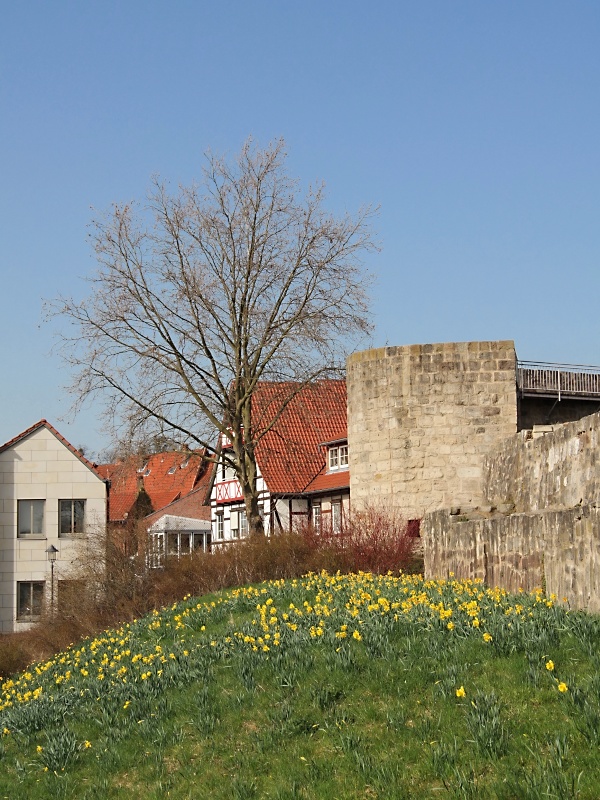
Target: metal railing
558, 380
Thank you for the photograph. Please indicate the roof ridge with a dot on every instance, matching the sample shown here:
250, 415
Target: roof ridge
43, 423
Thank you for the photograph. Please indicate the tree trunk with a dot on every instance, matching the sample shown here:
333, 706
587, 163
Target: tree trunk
247, 476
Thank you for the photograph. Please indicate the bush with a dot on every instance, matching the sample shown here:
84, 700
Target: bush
120, 587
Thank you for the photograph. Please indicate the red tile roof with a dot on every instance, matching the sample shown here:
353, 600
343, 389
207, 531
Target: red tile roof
165, 477
328, 481
191, 506
289, 455
45, 424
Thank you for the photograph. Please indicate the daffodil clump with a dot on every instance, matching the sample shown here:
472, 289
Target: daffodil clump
334, 609
74, 709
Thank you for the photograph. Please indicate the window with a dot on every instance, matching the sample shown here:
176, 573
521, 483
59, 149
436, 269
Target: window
316, 518
338, 457
336, 516
172, 543
30, 514
156, 550
344, 455
72, 514
30, 600
201, 541
238, 523
220, 526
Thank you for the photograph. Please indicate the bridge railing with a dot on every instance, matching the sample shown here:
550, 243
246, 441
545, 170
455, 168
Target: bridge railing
574, 380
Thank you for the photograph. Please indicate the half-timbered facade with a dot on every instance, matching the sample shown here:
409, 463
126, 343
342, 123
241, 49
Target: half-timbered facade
302, 464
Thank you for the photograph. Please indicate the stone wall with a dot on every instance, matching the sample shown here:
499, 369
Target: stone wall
558, 550
556, 470
422, 417
549, 533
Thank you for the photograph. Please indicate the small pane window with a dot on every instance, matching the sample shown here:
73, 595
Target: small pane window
344, 455
333, 458
72, 513
156, 550
316, 518
220, 527
336, 516
30, 515
338, 457
30, 600
243, 524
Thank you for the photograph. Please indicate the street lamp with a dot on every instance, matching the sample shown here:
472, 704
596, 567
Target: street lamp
51, 552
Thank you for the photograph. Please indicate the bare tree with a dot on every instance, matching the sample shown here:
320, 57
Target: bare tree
201, 294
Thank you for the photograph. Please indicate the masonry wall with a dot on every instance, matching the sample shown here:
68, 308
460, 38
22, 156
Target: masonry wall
558, 550
540, 522
422, 417
557, 470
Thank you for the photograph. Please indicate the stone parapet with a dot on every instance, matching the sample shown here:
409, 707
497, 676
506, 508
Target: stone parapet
556, 469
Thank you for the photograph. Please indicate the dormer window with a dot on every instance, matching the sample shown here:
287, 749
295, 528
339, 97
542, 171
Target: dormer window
338, 457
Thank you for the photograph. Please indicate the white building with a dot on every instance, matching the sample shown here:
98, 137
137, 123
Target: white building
180, 528
50, 496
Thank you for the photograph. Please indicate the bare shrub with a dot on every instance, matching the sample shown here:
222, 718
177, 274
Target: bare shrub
117, 587
373, 540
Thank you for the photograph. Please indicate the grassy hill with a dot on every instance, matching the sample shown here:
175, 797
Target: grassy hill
356, 686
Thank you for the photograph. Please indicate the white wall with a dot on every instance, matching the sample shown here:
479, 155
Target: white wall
41, 467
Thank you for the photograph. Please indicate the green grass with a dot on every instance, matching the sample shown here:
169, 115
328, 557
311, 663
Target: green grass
366, 687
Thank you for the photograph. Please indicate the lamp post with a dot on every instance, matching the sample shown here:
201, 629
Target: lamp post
51, 552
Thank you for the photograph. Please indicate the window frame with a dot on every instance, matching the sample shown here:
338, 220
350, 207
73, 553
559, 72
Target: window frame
336, 516
337, 458
36, 607
317, 517
73, 522
31, 534
242, 524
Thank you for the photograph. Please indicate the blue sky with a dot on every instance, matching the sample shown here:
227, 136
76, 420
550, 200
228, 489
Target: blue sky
475, 126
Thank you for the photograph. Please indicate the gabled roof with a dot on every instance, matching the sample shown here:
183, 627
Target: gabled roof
191, 506
165, 477
45, 424
290, 455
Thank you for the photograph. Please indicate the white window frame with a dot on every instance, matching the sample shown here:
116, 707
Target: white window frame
343, 455
72, 532
333, 458
337, 457
336, 516
25, 513
220, 527
317, 519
